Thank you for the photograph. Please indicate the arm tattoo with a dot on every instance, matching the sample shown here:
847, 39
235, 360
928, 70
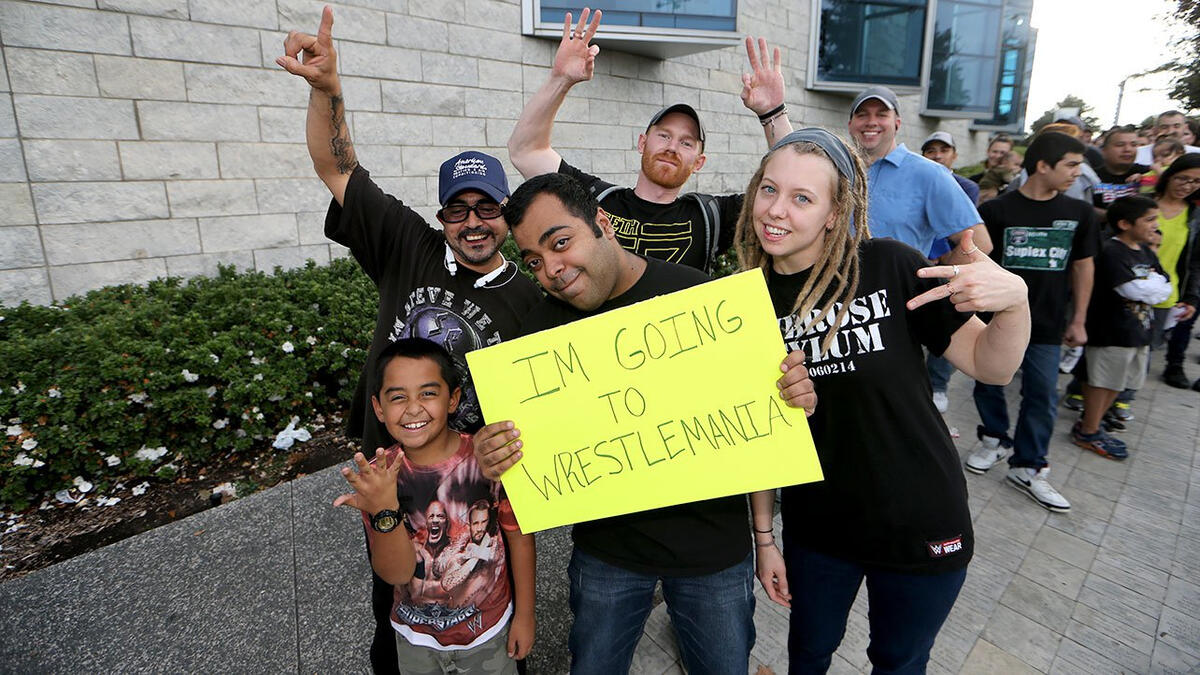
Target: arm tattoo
339, 144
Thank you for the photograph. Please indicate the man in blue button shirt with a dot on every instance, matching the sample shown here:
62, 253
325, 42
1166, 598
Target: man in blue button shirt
910, 198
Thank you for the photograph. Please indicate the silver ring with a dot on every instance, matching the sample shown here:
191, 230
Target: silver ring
973, 249
955, 267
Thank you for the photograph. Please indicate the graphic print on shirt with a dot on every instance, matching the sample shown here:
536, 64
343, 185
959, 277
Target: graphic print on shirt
458, 325
1137, 309
860, 333
1039, 248
460, 586
1107, 193
664, 241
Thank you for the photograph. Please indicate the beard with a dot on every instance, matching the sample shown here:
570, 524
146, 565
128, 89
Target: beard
670, 177
479, 253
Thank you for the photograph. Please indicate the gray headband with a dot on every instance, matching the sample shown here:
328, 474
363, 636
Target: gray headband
832, 145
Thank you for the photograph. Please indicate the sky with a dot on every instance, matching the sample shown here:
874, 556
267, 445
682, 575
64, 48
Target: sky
1086, 47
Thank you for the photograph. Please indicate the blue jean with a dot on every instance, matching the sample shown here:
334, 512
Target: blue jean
906, 611
713, 616
1035, 421
940, 369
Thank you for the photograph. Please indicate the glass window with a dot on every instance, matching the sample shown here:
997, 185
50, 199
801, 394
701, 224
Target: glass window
688, 14
1016, 64
875, 42
964, 57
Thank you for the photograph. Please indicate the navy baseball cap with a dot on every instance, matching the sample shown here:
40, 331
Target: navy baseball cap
679, 108
472, 170
883, 94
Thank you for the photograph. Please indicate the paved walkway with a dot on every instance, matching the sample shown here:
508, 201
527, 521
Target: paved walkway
276, 582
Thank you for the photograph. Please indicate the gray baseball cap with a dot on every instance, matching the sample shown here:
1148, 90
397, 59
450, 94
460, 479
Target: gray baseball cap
678, 108
885, 96
942, 136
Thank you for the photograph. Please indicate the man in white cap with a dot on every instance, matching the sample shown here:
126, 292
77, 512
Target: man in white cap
909, 199
652, 218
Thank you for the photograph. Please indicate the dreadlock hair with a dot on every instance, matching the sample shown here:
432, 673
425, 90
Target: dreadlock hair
834, 276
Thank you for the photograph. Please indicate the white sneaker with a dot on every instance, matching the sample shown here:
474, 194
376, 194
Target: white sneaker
989, 454
1034, 484
941, 401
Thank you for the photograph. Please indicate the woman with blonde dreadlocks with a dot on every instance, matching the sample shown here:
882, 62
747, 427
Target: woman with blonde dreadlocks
893, 505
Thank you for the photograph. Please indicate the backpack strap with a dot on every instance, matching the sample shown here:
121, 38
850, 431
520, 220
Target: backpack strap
712, 226
606, 191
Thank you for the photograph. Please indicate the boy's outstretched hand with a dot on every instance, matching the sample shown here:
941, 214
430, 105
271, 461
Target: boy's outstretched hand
374, 483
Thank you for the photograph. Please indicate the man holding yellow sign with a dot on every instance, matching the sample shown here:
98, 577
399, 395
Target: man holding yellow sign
701, 549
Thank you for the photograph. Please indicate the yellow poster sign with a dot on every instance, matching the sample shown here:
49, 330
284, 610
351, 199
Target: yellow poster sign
668, 401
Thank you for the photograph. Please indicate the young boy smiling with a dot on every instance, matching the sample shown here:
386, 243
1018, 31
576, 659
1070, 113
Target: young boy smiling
452, 601
1129, 281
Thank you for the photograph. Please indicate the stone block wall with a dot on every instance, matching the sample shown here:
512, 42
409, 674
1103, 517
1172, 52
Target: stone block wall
146, 138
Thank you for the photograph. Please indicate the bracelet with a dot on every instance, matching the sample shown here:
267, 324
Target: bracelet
772, 112
767, 531
770, 120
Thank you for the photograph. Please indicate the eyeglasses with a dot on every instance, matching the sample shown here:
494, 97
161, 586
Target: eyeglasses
1184, 180
456, 213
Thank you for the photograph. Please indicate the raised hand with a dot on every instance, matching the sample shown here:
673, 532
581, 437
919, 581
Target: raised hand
575, 59
374, 483
319, 65
497, 448
978, 286
762, 88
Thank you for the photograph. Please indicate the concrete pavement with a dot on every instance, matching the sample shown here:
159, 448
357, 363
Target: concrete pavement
277, 581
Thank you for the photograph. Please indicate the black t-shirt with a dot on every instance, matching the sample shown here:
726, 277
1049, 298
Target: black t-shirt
894, 495
1113, 186
1038, 240
685, 540
672, 232
419, 297
1113, 320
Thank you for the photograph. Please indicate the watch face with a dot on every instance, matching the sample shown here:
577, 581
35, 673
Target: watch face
384, 522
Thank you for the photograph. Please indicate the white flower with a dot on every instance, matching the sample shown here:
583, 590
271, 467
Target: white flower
290, 435
221, 423
139, 490
23, 460
311, 340
211, 391
150, 454
15, 430
228, 489
108, 501
287, 348
19, 389
112, 460
139, 397
29, 444
308, 394
275, 398
255, 361
215, 358
53, 392
346, 353
65, 497
189, 377
258, 377
83, 484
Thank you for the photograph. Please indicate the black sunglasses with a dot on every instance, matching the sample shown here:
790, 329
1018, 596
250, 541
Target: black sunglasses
457, 213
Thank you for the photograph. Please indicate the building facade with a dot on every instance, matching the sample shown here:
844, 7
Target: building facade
147, 138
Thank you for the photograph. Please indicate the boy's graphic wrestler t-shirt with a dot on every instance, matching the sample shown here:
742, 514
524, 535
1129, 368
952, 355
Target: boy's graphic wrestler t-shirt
459, 595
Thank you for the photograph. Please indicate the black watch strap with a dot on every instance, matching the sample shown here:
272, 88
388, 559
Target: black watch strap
385, 521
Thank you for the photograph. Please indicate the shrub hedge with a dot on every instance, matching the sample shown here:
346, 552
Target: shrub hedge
97, 386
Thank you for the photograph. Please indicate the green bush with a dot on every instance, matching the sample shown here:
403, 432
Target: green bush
204, 368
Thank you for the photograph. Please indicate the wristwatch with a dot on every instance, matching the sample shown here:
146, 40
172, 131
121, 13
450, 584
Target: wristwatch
385, 521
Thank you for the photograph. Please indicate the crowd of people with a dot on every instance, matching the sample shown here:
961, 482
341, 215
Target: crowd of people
987, 275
